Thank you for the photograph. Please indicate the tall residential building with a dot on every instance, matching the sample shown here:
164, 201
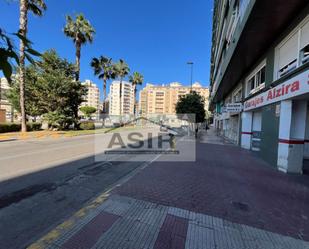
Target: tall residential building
93, 96
161, 99
259, 78
127, 98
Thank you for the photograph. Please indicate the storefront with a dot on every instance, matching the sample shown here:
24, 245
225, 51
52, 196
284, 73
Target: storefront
290, 99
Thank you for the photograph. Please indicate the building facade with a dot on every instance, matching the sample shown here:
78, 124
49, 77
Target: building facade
160, 99
6, 109
126, 101
93, 96
260, 78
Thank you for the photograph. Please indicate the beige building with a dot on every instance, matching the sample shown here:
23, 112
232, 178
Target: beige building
160, 99
93, 96
127, 98
6, 109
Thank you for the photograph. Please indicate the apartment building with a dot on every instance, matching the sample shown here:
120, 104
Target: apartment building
6, 109
161, 99
93, 96
127, 98
260, 78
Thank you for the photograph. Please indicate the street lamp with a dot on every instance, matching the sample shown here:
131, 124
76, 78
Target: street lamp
191, 65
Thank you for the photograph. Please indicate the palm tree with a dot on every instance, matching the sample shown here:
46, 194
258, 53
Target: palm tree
37, 7
103, 68
81, 32
136, 79
121, 70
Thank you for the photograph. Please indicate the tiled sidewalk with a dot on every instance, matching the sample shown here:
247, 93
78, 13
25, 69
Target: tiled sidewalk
230, 183
228, 198
123, 222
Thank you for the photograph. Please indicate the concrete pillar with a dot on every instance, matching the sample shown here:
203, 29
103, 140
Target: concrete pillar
246, 130
291, 136
306, 147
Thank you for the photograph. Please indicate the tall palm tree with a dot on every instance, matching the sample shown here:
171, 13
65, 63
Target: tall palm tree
121, 70
81, 32
103, 68
136, 79
37, 7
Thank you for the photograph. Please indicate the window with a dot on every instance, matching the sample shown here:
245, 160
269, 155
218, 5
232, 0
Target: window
287, 55
237, 96
304, 43
256, 81
293, 51
260, 77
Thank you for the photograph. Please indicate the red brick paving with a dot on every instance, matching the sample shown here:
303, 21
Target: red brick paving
91, 232
172, 234
229, 183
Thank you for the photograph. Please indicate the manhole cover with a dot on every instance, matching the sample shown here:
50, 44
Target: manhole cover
241, 206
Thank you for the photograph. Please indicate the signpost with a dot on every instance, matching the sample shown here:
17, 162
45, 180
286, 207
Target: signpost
233, 107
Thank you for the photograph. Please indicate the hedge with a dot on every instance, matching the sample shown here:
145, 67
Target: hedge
13, 127
87, 126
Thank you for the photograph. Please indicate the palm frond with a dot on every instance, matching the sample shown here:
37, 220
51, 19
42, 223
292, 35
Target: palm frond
37, 7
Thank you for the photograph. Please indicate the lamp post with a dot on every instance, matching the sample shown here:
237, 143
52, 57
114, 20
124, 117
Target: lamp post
190, 63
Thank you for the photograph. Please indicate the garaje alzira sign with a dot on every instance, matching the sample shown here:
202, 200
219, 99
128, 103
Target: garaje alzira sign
293, 87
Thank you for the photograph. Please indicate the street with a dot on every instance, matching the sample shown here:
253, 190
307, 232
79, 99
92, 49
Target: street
218, 184
44, 181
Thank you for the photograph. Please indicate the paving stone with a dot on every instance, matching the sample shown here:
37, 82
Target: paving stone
230, 183
200, 237
146, 225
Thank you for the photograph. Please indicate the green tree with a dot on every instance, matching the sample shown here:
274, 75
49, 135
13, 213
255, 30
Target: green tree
121, 70
37, 7
136, 79
9, 56
81, 32
51, 90
32, 108
103, 68
192, 103
88, 111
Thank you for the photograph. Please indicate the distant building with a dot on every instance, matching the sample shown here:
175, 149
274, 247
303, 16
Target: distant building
6, 109
160, 99
93, 96
127, 98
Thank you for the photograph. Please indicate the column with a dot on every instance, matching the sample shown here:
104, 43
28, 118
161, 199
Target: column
246, 130
291, 136
306, 148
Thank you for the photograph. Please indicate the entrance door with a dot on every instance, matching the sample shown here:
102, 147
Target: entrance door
256, 131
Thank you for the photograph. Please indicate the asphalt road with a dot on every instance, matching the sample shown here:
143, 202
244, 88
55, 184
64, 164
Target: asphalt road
45, 181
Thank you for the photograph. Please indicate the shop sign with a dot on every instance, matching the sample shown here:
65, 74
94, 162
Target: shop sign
233, 107
293, 87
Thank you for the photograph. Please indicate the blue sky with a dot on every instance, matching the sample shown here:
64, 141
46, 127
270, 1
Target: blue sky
155, 37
